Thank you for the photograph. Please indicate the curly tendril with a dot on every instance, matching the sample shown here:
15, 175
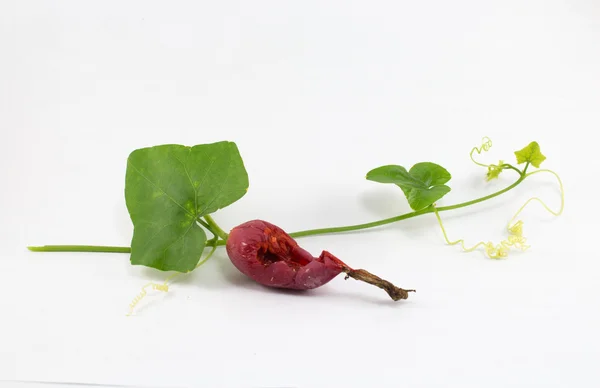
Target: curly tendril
164, 287
485, 146
515, 237
493, 251
143, 293
494, 170
562, 196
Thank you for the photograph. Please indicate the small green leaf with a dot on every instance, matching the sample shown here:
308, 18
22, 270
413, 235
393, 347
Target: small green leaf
422, 185
494, 171
531, 154
167, 188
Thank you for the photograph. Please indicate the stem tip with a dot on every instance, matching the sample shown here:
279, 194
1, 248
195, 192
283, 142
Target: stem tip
396, 293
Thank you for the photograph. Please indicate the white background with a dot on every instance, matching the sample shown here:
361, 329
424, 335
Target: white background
315, 94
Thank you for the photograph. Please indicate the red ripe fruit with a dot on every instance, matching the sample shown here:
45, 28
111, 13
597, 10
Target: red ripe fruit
267, 254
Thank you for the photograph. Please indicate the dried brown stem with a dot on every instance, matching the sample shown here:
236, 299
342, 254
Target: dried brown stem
360, 274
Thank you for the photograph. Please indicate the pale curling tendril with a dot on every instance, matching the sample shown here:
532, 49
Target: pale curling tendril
562, 196
485, 146
515, 231
159, 287
515, 239
494, 170
163, 287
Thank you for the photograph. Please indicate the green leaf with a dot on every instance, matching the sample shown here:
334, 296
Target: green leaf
419, 199
430, 174
494, 171
422, 185
531, 154
167, 188
394, 174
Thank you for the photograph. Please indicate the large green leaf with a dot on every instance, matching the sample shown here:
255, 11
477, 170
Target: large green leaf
167, 188
422, 185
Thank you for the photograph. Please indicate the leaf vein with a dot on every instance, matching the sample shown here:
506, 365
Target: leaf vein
191, 182
159, 188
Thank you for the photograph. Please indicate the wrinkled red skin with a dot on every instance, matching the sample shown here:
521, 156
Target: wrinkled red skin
268, 255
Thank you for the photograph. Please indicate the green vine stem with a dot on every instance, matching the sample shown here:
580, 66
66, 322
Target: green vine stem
214, 227
80, 248
427, 210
